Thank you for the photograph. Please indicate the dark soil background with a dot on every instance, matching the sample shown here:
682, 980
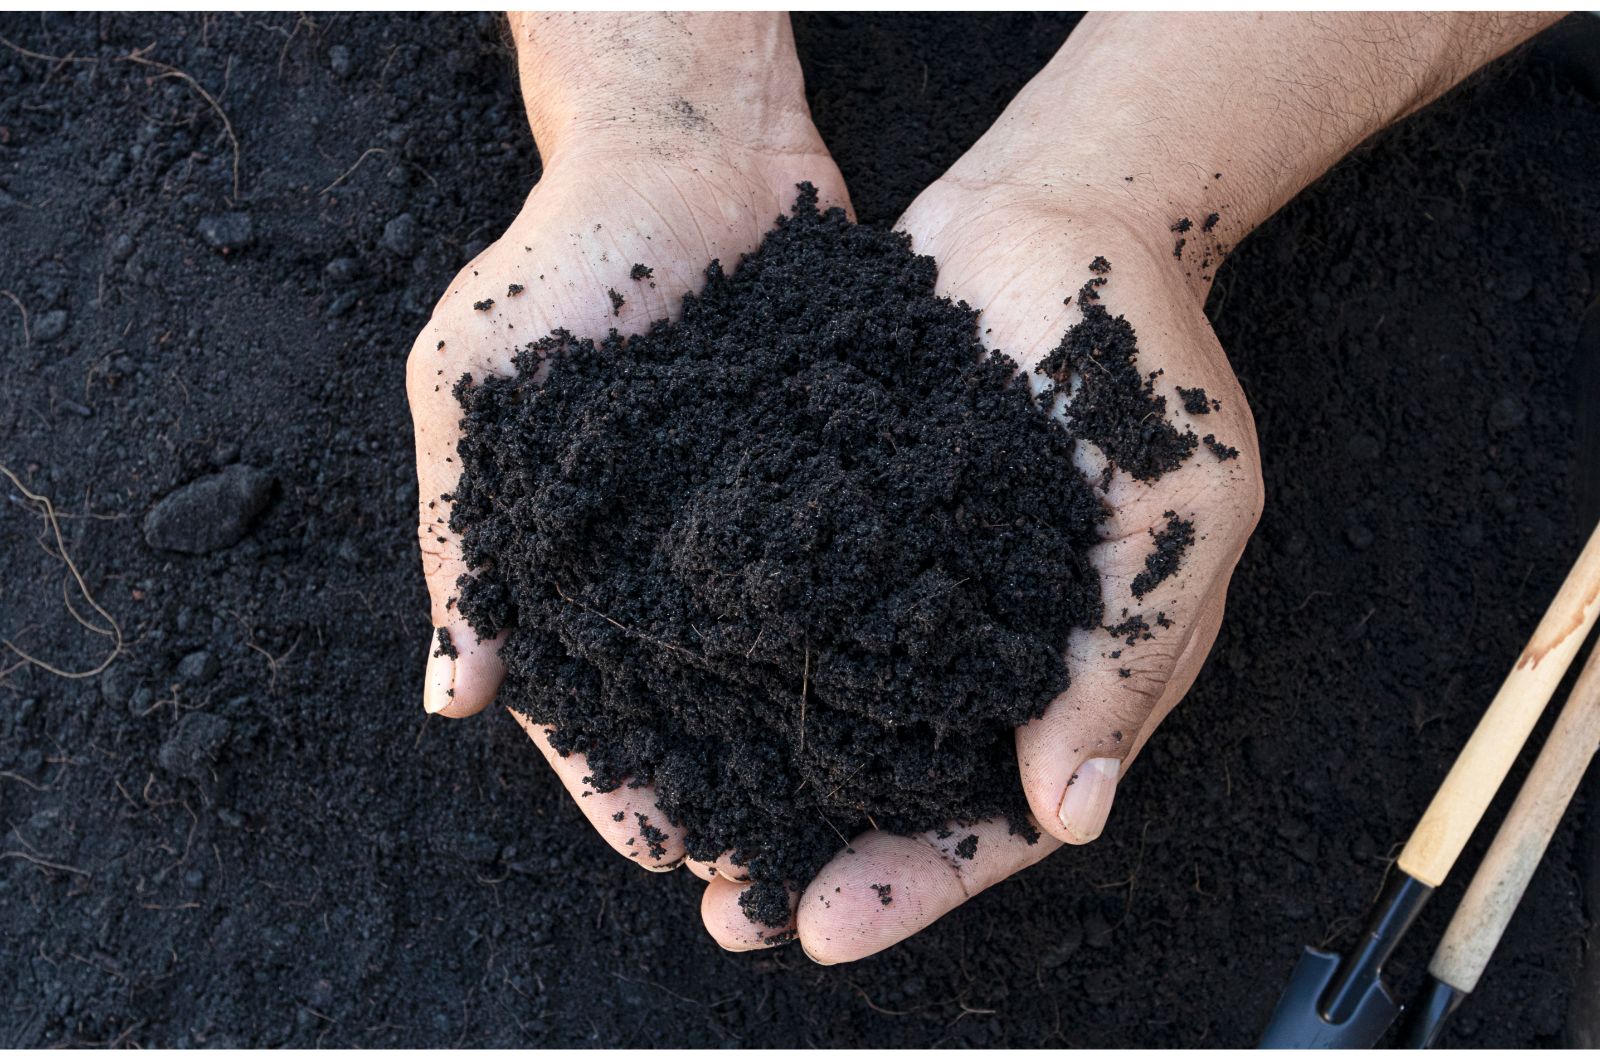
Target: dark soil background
269, 844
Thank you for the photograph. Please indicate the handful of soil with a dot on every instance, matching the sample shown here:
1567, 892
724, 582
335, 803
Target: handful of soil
802, 559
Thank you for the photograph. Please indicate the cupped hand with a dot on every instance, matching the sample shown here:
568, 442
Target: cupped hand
669, 199
1020, 256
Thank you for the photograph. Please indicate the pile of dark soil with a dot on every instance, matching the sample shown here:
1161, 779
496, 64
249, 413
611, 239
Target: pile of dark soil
803, 559
268, 845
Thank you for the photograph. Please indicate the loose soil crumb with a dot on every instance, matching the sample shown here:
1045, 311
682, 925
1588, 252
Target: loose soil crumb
484, 305
1117, 408
1133, 628
885, 892
968, 847
447, 647
653, 836
1195, 402
641, 272
1222, 452
1171, 542
803, 559
616, 301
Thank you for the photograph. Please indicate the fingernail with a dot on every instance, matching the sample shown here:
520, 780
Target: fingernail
661, 868
1087, 803
812, 957
438, 687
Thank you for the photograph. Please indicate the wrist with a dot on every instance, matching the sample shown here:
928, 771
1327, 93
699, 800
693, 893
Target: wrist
670, 84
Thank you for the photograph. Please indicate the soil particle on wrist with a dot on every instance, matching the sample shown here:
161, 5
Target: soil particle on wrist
801, 560
1171, 542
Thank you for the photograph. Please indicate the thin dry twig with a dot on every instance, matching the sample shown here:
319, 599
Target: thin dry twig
42, 862
805, 679
58, 59
629, 630
115, 632
137, 56
27, 337
346, 174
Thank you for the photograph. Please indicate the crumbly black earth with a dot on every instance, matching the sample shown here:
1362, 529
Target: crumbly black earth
1116, 407
1195, 401
1170, 543
801, 560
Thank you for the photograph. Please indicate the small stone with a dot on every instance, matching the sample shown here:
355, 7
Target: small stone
198, 667
116, 687
51, 325
400, 236
228, 232
1507, 414
1360, 537
339, 61
192, 747
1515, 285
341, 272
122, 247
209, 513
1364, 447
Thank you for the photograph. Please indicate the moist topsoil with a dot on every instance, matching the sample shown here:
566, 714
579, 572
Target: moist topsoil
804, 558
265, 843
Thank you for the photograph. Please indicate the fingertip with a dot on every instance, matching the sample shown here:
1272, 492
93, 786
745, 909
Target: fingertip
463, 672
728, 925
1086, 804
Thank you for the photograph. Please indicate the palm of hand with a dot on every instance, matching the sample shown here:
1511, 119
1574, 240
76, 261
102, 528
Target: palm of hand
1020, 262
582, 230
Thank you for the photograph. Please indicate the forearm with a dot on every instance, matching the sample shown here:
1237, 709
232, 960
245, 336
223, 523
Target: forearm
1268, 101
653, 79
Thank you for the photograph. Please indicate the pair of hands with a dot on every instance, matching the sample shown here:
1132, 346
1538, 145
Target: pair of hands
672, 140
678, 196
592, 216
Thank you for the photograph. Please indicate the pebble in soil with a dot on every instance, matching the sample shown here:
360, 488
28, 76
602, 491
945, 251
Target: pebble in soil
801, 560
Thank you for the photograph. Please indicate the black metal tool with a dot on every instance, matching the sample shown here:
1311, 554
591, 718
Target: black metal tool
1338, 1001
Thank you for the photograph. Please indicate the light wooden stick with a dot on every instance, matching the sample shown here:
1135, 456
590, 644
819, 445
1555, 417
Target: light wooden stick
1461, 800
1500, 881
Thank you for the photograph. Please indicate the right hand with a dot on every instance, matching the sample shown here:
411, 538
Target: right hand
673, 200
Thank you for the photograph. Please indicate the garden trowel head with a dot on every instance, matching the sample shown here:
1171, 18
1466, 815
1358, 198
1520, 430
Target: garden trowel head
1300, 1023
1336, 1001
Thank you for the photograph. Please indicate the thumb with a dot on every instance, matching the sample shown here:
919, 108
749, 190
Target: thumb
1128, 675
463, 672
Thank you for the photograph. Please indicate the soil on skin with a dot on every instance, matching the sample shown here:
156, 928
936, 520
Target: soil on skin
803, 559
269, 845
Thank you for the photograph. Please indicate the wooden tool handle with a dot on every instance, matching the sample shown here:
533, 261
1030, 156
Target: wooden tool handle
1498, 885
1483, 763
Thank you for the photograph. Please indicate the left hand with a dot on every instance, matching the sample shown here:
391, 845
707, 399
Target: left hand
1016, 255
